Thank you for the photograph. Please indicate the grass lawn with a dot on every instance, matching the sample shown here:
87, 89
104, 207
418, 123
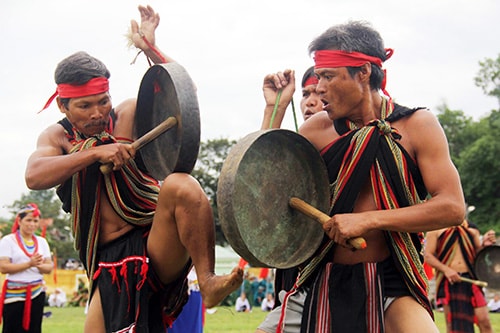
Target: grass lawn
224, 320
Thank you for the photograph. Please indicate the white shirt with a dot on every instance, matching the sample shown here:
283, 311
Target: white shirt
267, 304
494, 305
242, 303
9, 248
57, 298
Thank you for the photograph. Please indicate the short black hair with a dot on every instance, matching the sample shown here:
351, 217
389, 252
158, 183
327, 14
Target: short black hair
308, 73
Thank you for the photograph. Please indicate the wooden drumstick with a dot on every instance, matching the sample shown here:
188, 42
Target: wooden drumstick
145, 139
314, 213
476, 282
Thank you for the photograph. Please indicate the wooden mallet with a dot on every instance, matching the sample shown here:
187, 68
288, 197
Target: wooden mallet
145, 139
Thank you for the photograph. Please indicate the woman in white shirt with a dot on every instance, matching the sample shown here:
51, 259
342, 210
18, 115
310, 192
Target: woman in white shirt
24, 258
494, 303
242, 304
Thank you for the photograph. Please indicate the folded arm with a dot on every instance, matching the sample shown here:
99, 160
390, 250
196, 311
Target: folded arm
48, 166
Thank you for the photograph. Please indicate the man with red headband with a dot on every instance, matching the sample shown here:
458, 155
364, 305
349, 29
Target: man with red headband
383, 160
452, 251
284, 82
137, 239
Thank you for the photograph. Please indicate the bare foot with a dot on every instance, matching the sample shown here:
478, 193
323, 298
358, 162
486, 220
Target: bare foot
216, 287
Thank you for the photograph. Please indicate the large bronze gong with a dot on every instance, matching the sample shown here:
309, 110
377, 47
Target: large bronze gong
260, 175
487, 266
167, 90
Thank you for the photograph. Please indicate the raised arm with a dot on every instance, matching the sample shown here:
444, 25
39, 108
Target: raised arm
273, 83
489, 238
143, 36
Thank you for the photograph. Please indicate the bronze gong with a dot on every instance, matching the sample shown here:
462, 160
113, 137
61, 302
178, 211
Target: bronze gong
167, 90
259, 176
487, 266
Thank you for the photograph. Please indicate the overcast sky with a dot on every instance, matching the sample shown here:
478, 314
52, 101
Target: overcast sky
228, 46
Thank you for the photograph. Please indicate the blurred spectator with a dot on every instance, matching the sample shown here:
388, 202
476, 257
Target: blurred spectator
268, 303
242, 304
259, 295
57, 298
494, 303
72, 263
254, 288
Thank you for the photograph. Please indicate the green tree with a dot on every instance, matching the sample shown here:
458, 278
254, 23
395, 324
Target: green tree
488, 77
207, 170
458, 129
474, 148
479, 169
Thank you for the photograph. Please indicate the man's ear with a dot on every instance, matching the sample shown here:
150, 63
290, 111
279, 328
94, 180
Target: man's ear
365, 72
60, 105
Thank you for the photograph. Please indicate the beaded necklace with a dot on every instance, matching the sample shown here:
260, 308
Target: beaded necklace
29, 247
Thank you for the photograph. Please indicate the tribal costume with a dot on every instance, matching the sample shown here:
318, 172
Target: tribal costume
373, 154
461, 297
126, 279
22, 292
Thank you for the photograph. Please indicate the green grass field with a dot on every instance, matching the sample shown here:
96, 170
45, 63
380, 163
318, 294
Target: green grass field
224, 320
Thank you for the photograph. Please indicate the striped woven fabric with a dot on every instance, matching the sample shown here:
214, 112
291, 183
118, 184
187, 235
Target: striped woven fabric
132, 193
457, 296
373, 153
16, 291
445, 249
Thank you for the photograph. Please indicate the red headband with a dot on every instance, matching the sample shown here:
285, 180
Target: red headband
30, 208
94, 86
339, 58
310, 80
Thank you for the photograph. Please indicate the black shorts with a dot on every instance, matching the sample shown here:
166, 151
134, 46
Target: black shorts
131, 293
393, 282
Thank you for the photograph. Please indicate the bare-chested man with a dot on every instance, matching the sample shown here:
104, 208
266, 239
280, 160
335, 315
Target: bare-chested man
451, 251
383, 160
136, 238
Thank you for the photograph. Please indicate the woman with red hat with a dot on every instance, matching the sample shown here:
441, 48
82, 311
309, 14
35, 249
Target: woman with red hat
24, 258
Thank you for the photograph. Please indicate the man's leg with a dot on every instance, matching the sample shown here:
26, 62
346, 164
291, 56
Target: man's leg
447, 317
481, 311
483, 319
94, 321
405, 315
183, 227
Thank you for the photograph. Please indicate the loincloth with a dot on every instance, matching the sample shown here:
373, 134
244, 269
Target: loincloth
132, 296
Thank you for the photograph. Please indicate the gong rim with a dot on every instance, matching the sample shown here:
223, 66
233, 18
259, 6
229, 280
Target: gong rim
260, 174
167, 90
